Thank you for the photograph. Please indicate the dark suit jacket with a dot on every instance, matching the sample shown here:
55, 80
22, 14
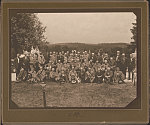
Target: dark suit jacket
131, 64
16, 64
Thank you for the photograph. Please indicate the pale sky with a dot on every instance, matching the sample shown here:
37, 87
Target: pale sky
88, 27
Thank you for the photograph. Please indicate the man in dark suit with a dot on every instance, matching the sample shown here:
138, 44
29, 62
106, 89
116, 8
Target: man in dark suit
131, 66
123, 62
99, 58
100, 75
93, 58
17, 64
26, 63
118, 59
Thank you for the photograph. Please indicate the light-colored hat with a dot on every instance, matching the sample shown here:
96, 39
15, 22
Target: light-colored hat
22, 56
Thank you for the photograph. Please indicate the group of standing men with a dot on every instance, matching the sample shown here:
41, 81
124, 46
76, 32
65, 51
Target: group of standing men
74, 67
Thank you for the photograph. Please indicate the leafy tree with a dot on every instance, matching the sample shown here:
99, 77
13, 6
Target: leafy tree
134, 32
26, 31
134, 37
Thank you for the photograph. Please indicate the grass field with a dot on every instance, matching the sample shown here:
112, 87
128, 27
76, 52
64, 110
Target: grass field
73, 95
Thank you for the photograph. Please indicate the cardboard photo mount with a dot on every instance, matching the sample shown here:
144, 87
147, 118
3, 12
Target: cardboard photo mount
135, 112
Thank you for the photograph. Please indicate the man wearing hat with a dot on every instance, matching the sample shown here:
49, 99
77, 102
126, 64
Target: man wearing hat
32, 74
65, 58
54, 57
131, 66
92, 76
17, 64
118, 59
112, 63
82, 74
99, 76
59, 66
88, 75
96, 66
105, 57
52, 75
118, 76
99, 58
41, 59
93, 58
105, 64
108, 76
41, 74
78, 70
62, 76
86, 56
73, 76
60, 57
123, 62
66, 68
22, 74
26, 63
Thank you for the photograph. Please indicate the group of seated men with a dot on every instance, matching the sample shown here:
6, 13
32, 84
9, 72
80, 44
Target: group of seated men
74, 67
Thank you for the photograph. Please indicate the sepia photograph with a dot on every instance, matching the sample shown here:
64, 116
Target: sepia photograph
79, 59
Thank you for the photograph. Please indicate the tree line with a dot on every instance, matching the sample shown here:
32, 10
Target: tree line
27, 31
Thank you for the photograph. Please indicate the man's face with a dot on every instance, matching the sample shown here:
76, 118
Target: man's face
108, 69
111, 58
123, 54
118, 53
105, 61
117, 69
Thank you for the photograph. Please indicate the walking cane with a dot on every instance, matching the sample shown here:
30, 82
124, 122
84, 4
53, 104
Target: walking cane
44, 96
